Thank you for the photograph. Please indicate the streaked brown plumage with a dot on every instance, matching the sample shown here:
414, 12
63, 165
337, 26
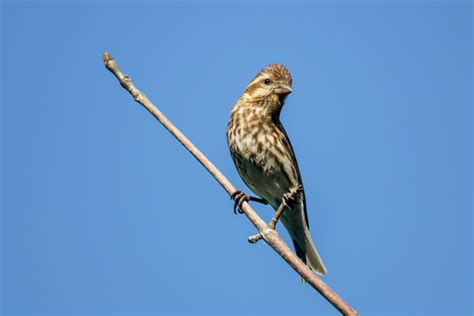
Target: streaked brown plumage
264, 157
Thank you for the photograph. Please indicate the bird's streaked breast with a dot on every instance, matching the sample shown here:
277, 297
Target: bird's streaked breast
258, 150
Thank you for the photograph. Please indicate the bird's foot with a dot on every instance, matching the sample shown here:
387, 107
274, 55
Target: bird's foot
240, 197
287, 201
289, 198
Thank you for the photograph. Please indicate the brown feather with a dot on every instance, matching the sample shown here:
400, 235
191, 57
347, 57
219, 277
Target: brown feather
264, 156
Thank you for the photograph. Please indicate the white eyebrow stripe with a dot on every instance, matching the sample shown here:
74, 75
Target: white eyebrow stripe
258, 78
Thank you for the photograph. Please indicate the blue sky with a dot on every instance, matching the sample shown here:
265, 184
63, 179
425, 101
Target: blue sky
104, 213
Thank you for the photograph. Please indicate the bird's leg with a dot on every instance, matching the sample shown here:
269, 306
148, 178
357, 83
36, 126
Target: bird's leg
286, 202
240, 197
258, 200
283, 206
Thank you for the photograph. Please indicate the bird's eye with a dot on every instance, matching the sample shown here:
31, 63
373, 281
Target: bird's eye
267, 81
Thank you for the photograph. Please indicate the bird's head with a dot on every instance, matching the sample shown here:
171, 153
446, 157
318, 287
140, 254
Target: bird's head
272, 84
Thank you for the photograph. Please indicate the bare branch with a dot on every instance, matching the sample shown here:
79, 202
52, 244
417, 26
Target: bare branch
270, 235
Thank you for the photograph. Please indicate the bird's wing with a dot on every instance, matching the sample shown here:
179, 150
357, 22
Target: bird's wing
299, 231
286, 142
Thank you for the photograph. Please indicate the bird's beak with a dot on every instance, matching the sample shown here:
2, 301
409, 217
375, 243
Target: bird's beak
283, 89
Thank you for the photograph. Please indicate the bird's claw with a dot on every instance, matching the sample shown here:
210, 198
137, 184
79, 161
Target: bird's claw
239, 197
290, 197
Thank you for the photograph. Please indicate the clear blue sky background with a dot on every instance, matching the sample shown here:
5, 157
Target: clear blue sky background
104, 213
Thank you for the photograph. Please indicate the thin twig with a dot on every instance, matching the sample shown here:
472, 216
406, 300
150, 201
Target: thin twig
271, 236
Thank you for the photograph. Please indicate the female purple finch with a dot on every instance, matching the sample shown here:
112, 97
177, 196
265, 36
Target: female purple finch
264, 157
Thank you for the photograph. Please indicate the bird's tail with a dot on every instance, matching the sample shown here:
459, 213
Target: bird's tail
309, 254
295, 221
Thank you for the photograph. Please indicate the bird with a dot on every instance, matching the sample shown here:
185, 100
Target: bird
265, 159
